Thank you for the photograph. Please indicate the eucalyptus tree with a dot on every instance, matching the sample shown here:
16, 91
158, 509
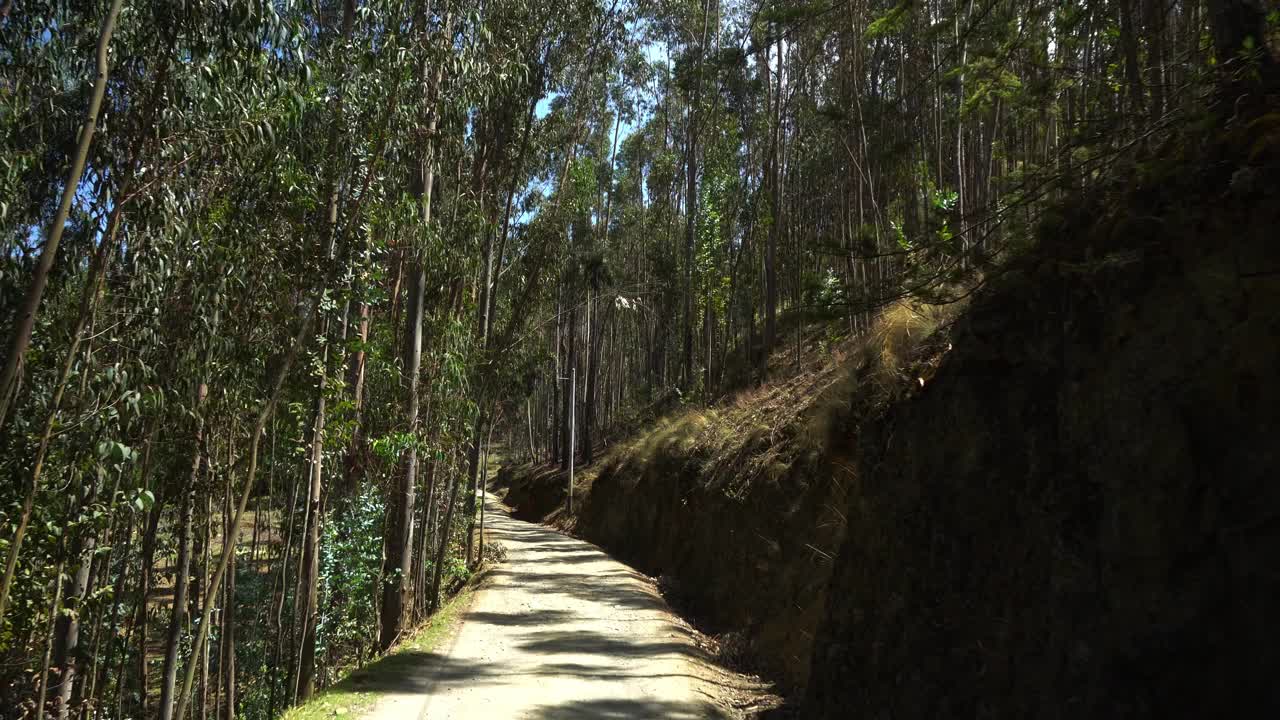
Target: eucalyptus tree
215, 205
25, 316
25, 319
434, 41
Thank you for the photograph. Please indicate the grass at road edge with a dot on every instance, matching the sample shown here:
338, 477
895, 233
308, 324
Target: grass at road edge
347, 699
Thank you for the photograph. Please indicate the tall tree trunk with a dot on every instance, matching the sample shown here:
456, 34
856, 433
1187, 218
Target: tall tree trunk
146, 556
205, 547
691, 204
517, 174
102, 656
446, 528
570, 361
473, 470
483, 324
55, 611
355, 381
144, 589
228, 641
528, 406
283, 584
311, 545
66, 653
690, 232
398, 563
397, 567
428, 522
1154, 13
593, 336
183, 579
593, 372
1129, 50
484, 490
558, 370
775, 219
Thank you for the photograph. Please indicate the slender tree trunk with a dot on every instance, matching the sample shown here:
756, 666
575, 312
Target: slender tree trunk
690, 226
1153, 17
398, 565
473, 470
228, 641
283, 583
516, 175
589, 410
484, 496
775, 219
67, 642
183, 578
424, 548
483, 323
570, 362
202, 585
557, 446
961, 185
528, 406
397, 568
445, 533
144, 589
102, 657
311, 546
1129, 50
55, 607
355, 381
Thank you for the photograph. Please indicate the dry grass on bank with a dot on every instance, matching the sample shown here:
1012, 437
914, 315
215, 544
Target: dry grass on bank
758, 433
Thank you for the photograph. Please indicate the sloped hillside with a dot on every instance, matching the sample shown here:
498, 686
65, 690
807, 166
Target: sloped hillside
1077, 517
739, 508
1062, 504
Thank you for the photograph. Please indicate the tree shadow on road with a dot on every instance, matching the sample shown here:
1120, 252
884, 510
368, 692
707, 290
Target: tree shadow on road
416, 671
611, 588
529, 618
587, 642
601, 709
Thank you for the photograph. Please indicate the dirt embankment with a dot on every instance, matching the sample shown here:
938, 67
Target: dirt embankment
752, 567
1078, 516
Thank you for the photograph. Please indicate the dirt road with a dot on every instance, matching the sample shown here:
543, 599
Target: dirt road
561, 630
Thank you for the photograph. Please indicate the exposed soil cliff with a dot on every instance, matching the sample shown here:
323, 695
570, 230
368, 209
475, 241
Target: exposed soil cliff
751, 562
1079, 516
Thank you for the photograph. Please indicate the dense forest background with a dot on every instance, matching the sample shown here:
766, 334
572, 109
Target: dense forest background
277, 274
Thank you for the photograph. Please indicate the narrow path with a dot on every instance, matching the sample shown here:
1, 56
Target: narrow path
561, 630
